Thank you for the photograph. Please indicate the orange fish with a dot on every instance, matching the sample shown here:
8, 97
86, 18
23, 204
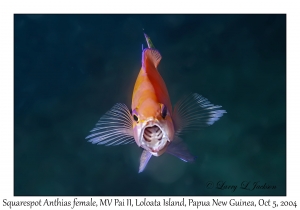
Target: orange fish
152, 124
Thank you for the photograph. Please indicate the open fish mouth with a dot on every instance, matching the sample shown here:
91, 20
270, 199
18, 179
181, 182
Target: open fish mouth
153, 133
154, 138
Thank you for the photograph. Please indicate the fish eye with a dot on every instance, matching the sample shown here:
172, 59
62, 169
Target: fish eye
135, 118
135, 115
164, 111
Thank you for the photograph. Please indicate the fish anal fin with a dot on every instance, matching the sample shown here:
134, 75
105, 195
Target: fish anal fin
152, 56
145, 157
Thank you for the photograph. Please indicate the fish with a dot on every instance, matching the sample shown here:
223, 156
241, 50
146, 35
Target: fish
151, 122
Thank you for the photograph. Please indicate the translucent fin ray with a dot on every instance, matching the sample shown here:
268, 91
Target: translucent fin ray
193, 112
145, 157
178, 148
149, 42
113, 128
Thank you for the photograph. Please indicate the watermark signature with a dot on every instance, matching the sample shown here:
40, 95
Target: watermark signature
244, 185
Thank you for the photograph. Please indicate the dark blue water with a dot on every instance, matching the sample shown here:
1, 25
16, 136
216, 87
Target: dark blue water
70, 69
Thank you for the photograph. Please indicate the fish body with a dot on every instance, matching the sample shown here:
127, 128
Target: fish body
153, 127
152, 124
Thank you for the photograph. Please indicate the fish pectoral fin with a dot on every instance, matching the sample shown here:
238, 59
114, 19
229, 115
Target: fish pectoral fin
145, 157
113, 128
193, 112
152, 56
179, 149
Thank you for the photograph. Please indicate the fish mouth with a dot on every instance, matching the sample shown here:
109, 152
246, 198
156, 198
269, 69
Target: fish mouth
154, 139
152, 133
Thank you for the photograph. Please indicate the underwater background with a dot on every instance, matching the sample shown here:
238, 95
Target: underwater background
70, 69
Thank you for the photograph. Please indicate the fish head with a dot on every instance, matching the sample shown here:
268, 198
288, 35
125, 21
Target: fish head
153, 127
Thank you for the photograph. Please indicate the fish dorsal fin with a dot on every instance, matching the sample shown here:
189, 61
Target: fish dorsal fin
151, 55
